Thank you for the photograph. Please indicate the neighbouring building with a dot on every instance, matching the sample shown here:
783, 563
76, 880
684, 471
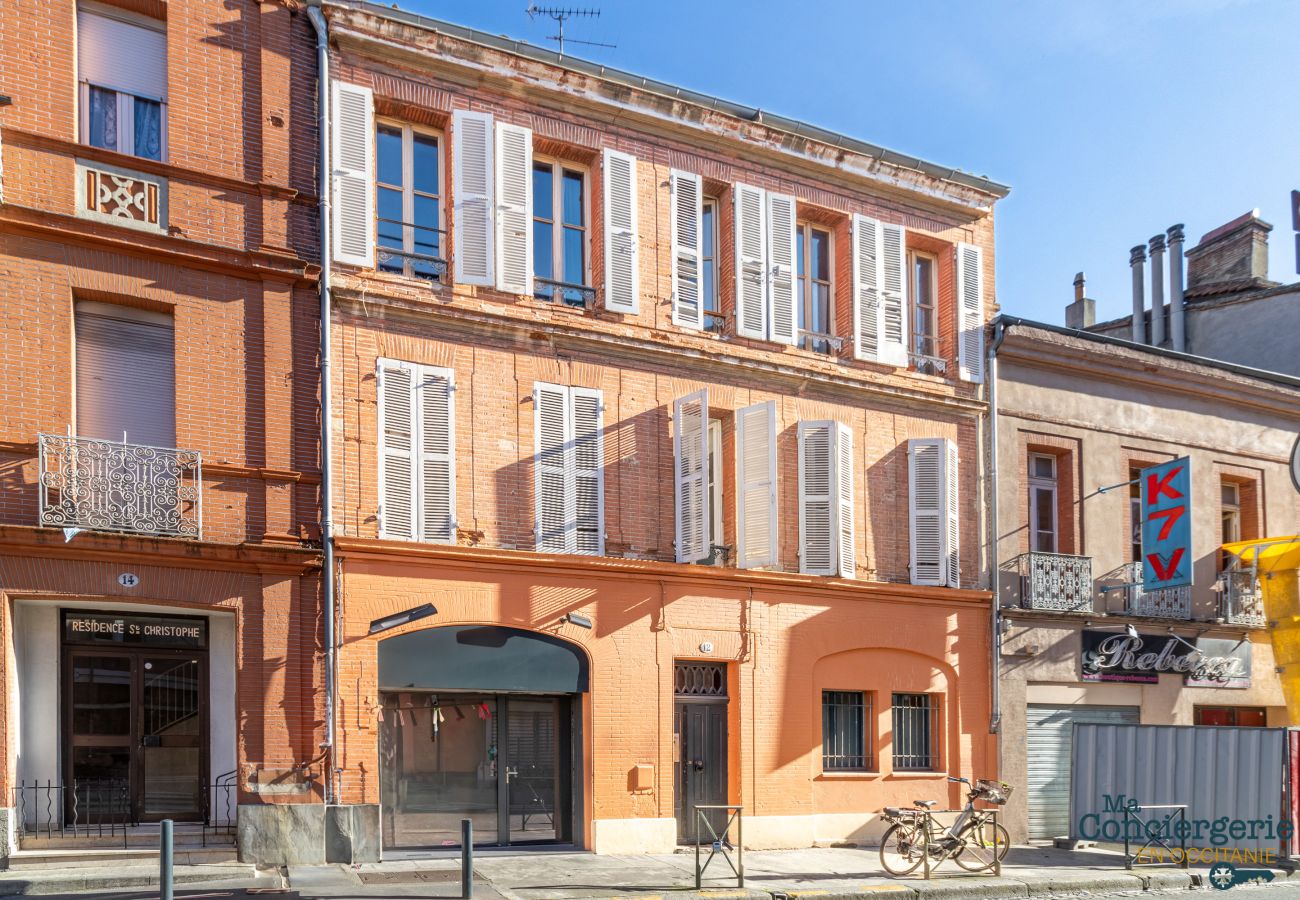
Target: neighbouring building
1078, 415
658, 475
159, 546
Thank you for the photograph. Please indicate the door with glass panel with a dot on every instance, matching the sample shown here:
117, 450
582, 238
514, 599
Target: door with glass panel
100, 698
171, 737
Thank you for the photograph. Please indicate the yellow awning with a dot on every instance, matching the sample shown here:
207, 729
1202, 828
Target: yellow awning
1269, 554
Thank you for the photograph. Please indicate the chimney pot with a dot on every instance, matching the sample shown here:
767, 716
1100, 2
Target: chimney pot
1078, 286
1137, 259
1177, 309
1235, 252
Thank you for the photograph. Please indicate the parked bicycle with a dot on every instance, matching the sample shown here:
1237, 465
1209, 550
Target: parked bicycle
970, 842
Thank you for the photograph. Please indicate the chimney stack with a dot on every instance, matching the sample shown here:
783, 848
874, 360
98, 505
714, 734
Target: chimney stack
1157, 244
1082, 313
1137, 259
1177, 319
1234, 255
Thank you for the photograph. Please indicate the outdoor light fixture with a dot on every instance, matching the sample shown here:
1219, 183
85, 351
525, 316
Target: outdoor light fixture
402, 618
575, 619
1183, 640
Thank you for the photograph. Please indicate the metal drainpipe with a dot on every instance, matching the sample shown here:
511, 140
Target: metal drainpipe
995, 694
326, 439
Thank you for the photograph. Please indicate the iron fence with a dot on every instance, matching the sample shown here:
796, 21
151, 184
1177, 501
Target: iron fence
92, 808
410, 249
220, 806
582, 296
1055, 581
1242, 600
1167, 603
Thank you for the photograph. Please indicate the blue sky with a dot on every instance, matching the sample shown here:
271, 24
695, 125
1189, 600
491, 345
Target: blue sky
1110, 119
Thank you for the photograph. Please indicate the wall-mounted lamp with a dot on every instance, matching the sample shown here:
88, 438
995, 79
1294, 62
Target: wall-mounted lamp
402, 618
576, 619
5, 100
1182, 640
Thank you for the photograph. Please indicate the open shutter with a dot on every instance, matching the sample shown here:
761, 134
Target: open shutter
751, 265
514, 179
472, 191
622, 281
756, 485
354, 188
783, 323
818, 505
588, 505
397, 430
846, 556
951, 512
893, 295
691, 457
437, 482
553, 479
866, 289
970, 309
687, 193
932, 509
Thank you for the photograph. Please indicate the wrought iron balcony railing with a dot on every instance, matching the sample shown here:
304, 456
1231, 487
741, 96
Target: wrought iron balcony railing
582, 296
1169, 603
1055, 581
1242, 599
415, 251
111, 486
929, 365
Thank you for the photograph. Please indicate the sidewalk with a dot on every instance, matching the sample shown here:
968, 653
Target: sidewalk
827, 874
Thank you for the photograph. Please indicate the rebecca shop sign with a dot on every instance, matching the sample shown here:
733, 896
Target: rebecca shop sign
1216, 662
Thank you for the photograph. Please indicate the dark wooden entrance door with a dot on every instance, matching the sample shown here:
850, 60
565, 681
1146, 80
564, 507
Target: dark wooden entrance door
701, 764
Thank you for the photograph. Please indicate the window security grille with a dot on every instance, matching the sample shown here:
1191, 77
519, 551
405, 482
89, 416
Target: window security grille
916, 732
700, 680
846, 742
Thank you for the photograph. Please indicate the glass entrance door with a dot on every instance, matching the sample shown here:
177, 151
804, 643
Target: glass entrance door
171, 731
100, 690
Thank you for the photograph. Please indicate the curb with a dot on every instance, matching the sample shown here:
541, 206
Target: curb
69, 880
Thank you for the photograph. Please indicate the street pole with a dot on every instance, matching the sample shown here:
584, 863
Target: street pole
165, 860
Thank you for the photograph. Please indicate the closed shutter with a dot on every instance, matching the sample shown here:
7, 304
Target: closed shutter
588, 505
751, 266
932, 514
691, 458
397, 450
970, 310
866, 289
687, 195
1049, 731
354, 188
554, 475
952, 513
434, 404
847, 556
622, 281
126, 375
473, 194
756, 512
783, 323
122, 51
514, 233
893, 295
818, 532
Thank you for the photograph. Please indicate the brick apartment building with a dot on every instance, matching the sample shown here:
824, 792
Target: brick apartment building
160, 620
657, 475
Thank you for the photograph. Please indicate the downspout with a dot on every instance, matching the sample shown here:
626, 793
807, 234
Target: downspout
326, 408
995, 644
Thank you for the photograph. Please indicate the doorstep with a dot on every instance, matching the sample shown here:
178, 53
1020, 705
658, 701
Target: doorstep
63, 880
81, 857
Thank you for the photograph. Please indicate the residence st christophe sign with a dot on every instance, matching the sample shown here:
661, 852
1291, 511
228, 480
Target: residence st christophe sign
135, 630
1142, 659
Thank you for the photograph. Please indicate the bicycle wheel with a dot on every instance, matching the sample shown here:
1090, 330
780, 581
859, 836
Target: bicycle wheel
901, 849
976, 853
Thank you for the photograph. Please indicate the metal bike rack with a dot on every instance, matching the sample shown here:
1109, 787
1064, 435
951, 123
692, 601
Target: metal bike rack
927, 815
720, 845
1156, 838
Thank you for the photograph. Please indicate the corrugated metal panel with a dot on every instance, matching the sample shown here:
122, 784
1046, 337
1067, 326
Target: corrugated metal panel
1049, 729
1218, 772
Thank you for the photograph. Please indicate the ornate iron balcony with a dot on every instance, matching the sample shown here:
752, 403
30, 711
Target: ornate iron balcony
930, 365
1242, 600
411, 250
568, 293
111, 486
1055, 581
1169, 603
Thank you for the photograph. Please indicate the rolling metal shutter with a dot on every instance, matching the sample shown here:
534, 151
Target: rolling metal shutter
126, 375
1049, 731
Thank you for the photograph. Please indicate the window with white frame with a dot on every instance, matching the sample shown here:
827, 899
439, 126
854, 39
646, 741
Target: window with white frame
714, 320
715, 482
569, 495
408, 201
1042, 503
417, 459
827, 545
924, 287
561, 242
933, 497
122, 80
815, 266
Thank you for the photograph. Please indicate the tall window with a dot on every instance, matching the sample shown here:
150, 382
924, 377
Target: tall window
407, 202
126, 374
1042, 502
713, 318
1135, 513
846, 732
122, 75
559, 232
814, 297
715, 482
916, 732
1230, 511
924, 302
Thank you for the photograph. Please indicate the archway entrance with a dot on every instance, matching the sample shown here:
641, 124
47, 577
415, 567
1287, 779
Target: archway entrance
480, 723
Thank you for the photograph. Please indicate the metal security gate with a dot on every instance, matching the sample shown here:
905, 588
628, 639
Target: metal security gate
1049, 732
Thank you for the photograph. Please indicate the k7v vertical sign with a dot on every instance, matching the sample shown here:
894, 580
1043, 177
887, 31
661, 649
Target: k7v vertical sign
1167, 525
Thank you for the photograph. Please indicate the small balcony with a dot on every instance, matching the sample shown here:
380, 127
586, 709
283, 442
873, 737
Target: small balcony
1242, 600
550, 290
101, 485
1056, 582
1169, 603
415, 251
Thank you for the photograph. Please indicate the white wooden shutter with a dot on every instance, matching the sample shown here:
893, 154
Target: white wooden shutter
756, 513
970, 311
687, 194
783, 324
397, 450
472, 191
846, 553
514, 224
893, 295
952, 511
751, 262
126, 374
932, 477
435, 407
622, 275
122, 51
691, 458
588, 505
354, 185
866, 289
817, 498
554, 475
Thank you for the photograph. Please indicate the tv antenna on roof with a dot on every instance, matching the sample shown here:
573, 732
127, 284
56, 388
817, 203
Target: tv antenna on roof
559, 14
